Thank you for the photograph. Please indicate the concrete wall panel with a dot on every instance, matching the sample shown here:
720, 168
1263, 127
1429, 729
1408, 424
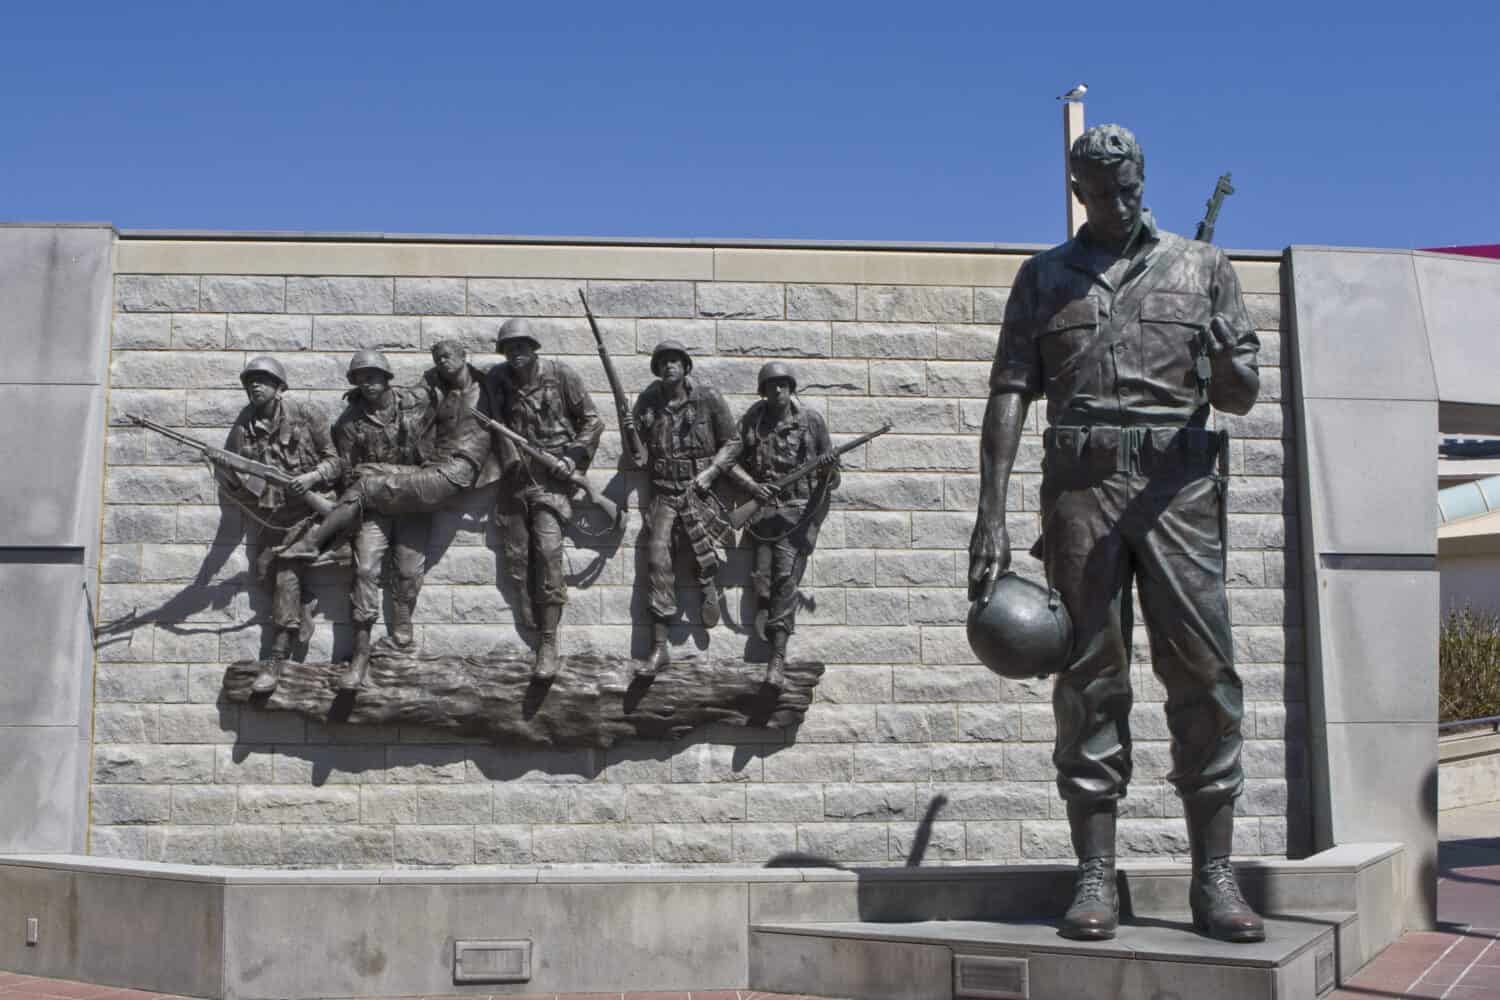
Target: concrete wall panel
44, 621
1461, 302
55, 284
1372, 465
39, 783
51, 455
1359, 325
1383, 674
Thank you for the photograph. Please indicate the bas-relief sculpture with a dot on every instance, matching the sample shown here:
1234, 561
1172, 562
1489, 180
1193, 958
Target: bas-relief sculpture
369, 485
1132, 334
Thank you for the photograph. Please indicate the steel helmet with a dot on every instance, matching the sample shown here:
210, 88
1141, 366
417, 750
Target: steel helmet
515, 329
369, 359
1024, 631
774, 369
670, 347
269, 366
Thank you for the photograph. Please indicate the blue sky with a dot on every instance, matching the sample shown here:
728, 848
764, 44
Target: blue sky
1348, 124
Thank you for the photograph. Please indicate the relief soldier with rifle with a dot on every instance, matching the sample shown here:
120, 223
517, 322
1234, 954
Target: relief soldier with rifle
547, 404
779, 435
682, 433
382, 426
292, 437
1133, 335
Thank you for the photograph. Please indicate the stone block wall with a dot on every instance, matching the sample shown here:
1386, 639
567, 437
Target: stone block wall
907, 732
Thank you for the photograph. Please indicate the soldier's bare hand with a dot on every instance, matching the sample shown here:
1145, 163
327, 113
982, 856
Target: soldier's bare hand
301, 484
989, 554
703, 480
827, 461
1221, 335
565, 466
764, 492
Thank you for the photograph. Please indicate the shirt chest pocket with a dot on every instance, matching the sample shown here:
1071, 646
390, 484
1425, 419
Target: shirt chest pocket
1172, 325
1066, 344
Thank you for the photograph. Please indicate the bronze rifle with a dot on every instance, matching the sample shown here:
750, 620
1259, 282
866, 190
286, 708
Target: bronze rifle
1205, 233
316, 502
632, 437
552, 465
742, 513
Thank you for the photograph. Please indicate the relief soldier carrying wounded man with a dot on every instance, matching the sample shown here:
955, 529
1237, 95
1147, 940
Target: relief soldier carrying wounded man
1132, 334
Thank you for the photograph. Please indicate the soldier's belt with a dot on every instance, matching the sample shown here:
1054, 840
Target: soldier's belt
1105, 449
678, 469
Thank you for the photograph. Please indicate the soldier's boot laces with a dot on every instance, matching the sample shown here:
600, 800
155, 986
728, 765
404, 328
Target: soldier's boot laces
1219, 909
353, 678
270, 669
399, 633
658, 659
709, 615
1094, 913
776, 665
545, 667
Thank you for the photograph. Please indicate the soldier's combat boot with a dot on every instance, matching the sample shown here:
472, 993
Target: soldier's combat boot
709, 614
545, 667
353, 678
343, 518
776, 665
1095, 911
658, 658
1219, 909
398, 629
270, 669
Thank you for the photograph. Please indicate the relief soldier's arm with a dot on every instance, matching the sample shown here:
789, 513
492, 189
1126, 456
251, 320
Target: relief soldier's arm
1233, 346
989, 547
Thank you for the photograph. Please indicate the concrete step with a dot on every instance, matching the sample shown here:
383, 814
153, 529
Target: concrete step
1150, 958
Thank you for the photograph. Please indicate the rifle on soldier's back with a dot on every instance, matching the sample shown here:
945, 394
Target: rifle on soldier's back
1205, 232
742, 513
552, 465
632, 437
316, 502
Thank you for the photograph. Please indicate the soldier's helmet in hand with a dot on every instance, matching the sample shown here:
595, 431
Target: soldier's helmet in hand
665, 348
371, 360
263, 366
1024, 631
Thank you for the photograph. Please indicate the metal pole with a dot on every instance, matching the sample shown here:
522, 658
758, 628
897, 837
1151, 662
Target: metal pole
1072, 129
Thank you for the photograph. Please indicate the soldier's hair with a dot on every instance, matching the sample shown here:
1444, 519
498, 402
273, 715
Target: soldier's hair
1106, 145
453, 346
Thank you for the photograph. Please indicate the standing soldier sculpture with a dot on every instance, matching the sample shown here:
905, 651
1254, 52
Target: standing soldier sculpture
779, 434
1132, 334
547, 403
454, 447
689, 438
381, 429
292, 437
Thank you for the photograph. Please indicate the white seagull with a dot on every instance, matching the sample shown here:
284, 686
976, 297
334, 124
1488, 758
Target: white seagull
1076, 94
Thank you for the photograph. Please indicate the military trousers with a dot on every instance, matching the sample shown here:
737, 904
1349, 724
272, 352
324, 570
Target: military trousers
409, 489
666, 519
531, 534
780, 562
1123, 506
405, 538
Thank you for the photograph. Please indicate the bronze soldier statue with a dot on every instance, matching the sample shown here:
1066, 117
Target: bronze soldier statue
547, 403
689, 439
1132, 334
454, 448
292, 436
779, 434
383, 426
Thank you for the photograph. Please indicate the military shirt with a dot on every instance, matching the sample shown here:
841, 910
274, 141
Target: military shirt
553, 411
390, 434
772, 447
694, 432
1117, 340
294, 438
453, 440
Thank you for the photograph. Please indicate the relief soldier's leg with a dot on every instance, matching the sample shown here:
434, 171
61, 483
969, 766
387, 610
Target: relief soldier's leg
370, 545
787, 567
1087, 563
515, 542
707, 561
286, 619
1187, 615
760, 585
342, 519
552, 587
661, 522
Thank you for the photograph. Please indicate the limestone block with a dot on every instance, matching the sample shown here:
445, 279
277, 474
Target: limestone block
529, 297
848, 842
989, 304
741, 300
897, 568
871, 491
992, 841
892, 762
884, 340
855, 415
898, 378
190, 723
827, 302
933, 606
967, 343
916, 304
352, 333
329, 846
874, 607
203, 805
915, 723
130, 804
708, 762
340, 295
685, 803
177, 369
198, 332
699, 336
156, 292
260, 332
153, 765
869, 801
243, 293
808, 764
657, 299
693, 844
784, 338
929, 843
434, 845
758, 843
325, 765
431, 296
947, 683
826, 723
968, 762
124, 723
502, 845
784, 803
595, 843
1030, 762
958, 378
142, 331
141, 682
596, 804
